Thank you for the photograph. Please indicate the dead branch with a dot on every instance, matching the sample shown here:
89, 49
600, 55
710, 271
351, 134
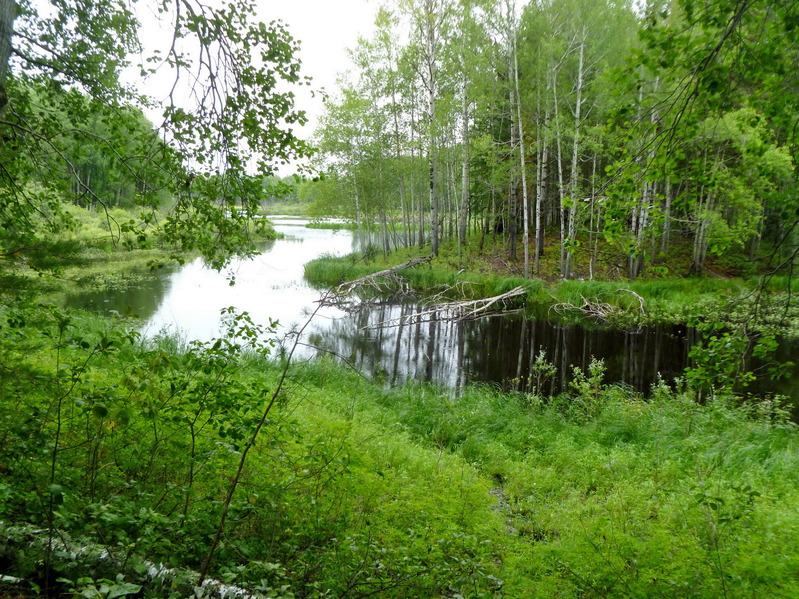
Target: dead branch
459, 288
387, 280
382, 282
598, 310
457, 311
372, 279
636, 296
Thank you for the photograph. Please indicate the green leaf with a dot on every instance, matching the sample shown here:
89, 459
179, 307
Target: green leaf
100, 411
125, 588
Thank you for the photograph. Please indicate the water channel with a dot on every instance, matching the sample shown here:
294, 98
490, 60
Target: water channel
499, 350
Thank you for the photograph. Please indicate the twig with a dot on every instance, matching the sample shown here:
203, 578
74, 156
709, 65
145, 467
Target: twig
249, 445
594, 308
372, 279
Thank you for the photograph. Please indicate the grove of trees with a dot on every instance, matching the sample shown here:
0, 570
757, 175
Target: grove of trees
620, 132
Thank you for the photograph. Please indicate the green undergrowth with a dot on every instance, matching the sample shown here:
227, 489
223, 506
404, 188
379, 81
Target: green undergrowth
352, 490
644, 301
132, 445
348, 226
607, 495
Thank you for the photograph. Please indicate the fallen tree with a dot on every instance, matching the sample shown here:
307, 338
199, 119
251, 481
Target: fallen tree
598, 310
383, 282
374, 280
459, 310
388, 282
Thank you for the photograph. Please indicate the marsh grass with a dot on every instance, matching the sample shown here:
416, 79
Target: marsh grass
287, 208
345, 226
108, 251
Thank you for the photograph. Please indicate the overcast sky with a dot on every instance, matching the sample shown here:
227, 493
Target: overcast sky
326, 29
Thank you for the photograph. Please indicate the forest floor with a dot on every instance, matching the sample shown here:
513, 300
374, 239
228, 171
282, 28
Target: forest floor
491, 254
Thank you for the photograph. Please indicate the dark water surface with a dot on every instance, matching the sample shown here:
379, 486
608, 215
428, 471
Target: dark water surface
498, 350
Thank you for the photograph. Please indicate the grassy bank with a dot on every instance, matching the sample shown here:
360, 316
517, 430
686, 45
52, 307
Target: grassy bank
353, 490
105, 251
341, 226
286, 208
675, 300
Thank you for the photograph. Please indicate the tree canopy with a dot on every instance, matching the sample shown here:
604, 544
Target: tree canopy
71, 130
624, 133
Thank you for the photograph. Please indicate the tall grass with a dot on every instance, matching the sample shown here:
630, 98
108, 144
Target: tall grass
779, 283
347, 226
615, 496
330, 270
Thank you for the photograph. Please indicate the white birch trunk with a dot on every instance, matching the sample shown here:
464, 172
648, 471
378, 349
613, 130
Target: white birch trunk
431, 47
571, 234
525, 202
561, 188
464, 211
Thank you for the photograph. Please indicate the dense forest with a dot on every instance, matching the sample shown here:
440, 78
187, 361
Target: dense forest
610, 133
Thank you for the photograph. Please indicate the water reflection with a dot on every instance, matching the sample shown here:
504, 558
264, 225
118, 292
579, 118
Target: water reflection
141, 300
499, 349
502, 350
496, 350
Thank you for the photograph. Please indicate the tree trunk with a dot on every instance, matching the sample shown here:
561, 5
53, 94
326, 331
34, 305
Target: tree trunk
571, 234
512, 225
430, 44
593, 229
8, 11
561, 212
664, 240
540, 185
525, 202
464, 211
358, 221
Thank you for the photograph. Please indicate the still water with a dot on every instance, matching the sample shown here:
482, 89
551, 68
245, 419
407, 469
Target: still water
497, 350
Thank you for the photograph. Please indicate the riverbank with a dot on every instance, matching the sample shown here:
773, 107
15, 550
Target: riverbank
356, 490
653, 301
104, 253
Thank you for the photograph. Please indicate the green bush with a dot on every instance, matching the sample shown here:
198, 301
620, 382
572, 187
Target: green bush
354, 489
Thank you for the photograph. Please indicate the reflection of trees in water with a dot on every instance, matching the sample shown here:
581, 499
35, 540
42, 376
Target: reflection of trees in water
430, 351
142, 299
494, 350
498, 350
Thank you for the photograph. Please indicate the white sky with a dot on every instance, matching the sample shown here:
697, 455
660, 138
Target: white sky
326, 29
